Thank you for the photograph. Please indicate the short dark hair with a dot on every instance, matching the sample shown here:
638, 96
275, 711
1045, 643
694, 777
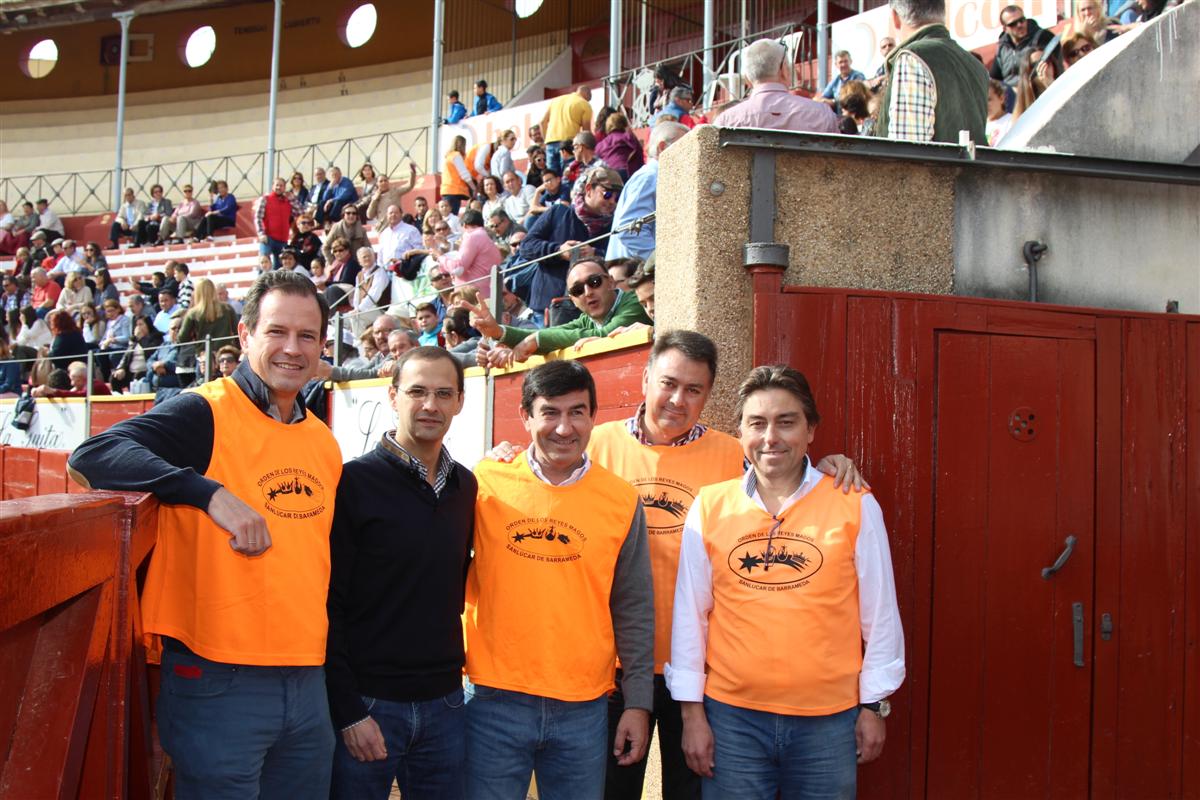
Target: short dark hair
552, 171
691, 345
554, 379
453, 93
457, 321
481, 83
428, 353
43, 201
472, 217
778, 376
182, 267
286, 282
425, 307
59, 379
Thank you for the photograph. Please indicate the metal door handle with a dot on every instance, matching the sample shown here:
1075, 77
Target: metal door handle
1077, 624
1047, 572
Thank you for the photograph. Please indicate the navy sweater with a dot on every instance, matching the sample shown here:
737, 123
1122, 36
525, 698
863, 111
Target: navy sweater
557, 225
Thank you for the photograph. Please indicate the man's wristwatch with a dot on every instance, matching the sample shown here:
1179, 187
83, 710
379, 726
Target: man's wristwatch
881, 708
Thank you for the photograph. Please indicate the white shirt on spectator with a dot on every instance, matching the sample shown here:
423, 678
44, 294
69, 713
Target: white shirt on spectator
49, 221
454, 223
517, 205
394, 242
502, 162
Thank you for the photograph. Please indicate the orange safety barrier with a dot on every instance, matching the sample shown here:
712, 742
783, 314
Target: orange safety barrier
75, 694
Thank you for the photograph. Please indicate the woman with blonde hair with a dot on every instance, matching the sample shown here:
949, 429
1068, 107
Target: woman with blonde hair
457, 181
75, 295
207, 317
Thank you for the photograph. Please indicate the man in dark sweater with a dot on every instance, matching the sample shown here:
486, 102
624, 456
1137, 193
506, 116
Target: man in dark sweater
400, 546
1018, 35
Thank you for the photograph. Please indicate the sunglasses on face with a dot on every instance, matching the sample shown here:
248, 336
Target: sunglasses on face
442, 229
1014, 23
592, 282
437, 277
339, 249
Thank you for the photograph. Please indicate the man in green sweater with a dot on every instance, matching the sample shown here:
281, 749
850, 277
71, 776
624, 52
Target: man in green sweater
605, 308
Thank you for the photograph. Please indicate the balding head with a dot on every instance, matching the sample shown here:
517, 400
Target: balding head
585, 92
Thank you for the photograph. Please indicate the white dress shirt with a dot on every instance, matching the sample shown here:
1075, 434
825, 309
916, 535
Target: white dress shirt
883, 662
394, 242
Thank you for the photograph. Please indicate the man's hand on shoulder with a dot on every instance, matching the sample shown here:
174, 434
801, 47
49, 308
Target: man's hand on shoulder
504, 452
247, 529
845, 474
633, 729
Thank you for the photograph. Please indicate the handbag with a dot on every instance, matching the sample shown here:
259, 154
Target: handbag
23, 412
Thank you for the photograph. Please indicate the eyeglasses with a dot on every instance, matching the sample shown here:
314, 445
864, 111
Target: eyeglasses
419, 393
227, 360
339, 249
592, 282
1014, 23
609, 193
1078, 52
438, 276
442, 229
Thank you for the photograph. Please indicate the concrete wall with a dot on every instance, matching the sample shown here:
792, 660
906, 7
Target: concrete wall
1133, 98
857, 221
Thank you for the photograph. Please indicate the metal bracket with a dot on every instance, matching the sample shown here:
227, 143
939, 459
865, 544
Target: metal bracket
1077, 623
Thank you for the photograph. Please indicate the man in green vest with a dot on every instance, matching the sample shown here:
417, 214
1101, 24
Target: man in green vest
934, 87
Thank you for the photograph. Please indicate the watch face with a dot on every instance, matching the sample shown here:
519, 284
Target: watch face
885, 708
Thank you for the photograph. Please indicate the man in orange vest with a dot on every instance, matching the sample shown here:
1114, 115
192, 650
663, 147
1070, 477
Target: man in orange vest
781, 581
559, 587
235, 591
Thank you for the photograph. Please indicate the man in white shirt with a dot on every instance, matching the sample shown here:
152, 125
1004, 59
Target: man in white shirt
520, 197
49, 222
372, 291
396, 237
72, 260
782, 579
502, 159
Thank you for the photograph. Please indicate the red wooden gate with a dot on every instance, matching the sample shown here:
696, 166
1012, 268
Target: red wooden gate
991, 431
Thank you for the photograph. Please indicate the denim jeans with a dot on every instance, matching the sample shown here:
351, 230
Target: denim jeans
511, 735
237, 731
272, 248
678, 781
761, 756
554, 156
426, 748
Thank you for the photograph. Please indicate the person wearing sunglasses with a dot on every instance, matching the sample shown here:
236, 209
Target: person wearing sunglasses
786, 639
350, 228
604, 308
561, 229
1018, 35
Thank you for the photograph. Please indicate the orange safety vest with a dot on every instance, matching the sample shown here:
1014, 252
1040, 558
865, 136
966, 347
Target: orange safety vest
537, 616
268, 610
470, 159
452, 182
784, 633
667, 479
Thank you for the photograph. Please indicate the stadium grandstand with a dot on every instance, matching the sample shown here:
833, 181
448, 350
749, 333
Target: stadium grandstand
973, 227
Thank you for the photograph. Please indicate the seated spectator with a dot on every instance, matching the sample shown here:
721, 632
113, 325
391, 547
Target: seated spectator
68, 343
502, 158
501, 228
559, 232
379, 331
458, 337
163, 370
428, 324
420, 209
553, 190
28, 221
343, 269
34, 333
13, 298
116, 336
399, 342
493, 196
317, 196
45, 292
305, 241
368, 183
77, 386
620, 149
536, 156
620, 270
183, 220
485, 103
1018, 36
516, 314
138, 357
372, 291
518, 197
40, 248
999, 121
10, 371
476, 257
298, 192
585, 157
854, 100
227, 360
388, 194
75, 295
604, 306
1076, 46
1090, 18
289, 263
222, 213
642, 284
451, 218
185, 286
831, 92
10, 237
349, 228
886, 45
1143, 11
679, 105
126, 219
158, 209
1036, 76
457, 111
48, 222
168, 309
93, 256
91, 327
223, 296
770, 104
639, 198
71, 260
340, 195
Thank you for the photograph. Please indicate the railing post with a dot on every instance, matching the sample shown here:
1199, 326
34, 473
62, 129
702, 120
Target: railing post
123, 17
614, 49
708, 51
208, 358
439, 24
822, 44
269, 166
338, 327
87, 396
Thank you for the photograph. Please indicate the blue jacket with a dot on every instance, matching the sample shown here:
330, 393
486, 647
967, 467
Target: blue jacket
342, 195
10, 377
485, 103
457, 112
225, 206
558, 225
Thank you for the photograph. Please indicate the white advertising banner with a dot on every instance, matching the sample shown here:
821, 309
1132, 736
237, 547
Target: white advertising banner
59, 424
972, 23
487, 128
360, 414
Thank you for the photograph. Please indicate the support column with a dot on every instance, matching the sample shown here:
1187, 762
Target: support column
118, 188
614, 51
269, 159
439, 42
822, 44
709, 27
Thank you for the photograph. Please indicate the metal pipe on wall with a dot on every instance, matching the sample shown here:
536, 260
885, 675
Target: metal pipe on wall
709, 29
439, 24
123, 17
273, 103
822, 44
614, 49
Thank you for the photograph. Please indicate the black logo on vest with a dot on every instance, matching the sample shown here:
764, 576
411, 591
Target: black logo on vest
666, 503
545, 539
777, 563
292, 493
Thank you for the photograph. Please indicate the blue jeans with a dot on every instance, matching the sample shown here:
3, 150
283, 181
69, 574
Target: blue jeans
511, 735
554, 156
236, 731
272, 248
760, 755
426, 748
